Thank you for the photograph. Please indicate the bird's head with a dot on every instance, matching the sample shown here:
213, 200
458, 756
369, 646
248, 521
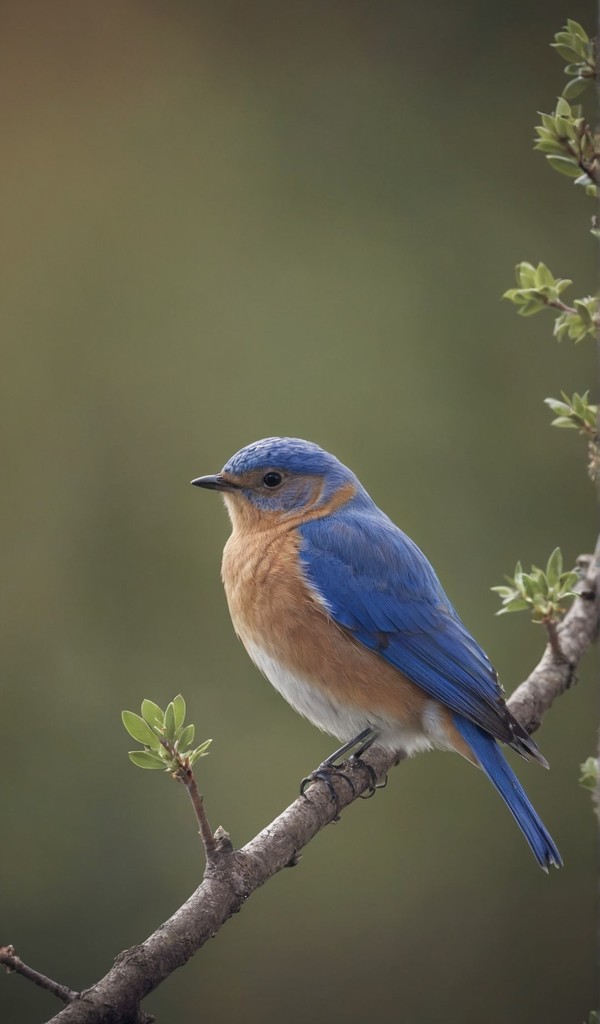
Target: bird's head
281, 477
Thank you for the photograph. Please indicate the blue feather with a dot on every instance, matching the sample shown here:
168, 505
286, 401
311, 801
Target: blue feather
292, 455
376, 582
501, 775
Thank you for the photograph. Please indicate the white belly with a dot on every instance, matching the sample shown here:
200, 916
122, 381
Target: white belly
327, 714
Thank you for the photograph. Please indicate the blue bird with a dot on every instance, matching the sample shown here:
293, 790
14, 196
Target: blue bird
347, 619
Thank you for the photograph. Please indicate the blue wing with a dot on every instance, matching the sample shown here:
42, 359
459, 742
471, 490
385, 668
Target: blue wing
377, 584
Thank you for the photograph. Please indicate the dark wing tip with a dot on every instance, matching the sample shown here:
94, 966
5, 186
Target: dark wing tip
522, 742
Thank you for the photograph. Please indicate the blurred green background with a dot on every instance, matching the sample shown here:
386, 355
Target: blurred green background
226, 221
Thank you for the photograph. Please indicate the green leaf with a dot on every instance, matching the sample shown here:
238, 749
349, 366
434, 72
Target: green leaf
590, 773
179, 709
517, 605
152, 713
543, 145
577, 30
565, 129
563, 283
525, 273
140, 730
566, 52
543, 277
170, 725
585, 181
560, 408
554, 567
575, 87
200, 751
565, 165
528, 585
530, 309
146, 759
548, 122
186, 738
564, 423
562, 108
586, 309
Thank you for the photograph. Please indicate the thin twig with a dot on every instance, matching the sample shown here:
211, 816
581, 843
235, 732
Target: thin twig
14, 964
185, 775
559, 304
551, 626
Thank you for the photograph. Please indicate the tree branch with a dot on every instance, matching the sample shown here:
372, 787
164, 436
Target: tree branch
231, 876
14, 965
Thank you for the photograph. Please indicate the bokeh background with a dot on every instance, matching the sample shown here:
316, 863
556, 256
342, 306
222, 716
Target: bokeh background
227, 221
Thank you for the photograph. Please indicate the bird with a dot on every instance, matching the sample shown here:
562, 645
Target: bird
345, 616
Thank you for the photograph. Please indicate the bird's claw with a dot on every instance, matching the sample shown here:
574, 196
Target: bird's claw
323, 774
329, 768
374, 785
372, 780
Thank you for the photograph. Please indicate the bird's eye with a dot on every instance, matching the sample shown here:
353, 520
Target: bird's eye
272, 479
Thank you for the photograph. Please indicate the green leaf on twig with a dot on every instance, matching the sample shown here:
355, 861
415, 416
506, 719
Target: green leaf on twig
140, 730
543, 592
590, 774
579, 322
165, 738
573, 44
575, 413
567, 140
536, 288
146, 759
152, 714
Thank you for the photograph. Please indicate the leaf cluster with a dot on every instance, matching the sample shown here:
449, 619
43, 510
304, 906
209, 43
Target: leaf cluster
164, 736
541, 591
536, 288
590, 775
573, 44
575, 413
579, 322
567, 140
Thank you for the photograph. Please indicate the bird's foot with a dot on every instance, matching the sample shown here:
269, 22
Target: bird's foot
329, 769
324, 773
374, 785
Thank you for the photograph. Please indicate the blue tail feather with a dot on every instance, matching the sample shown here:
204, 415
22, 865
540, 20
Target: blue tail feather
501, 775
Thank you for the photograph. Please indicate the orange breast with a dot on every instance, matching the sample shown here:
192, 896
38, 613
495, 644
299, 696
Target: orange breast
273, 608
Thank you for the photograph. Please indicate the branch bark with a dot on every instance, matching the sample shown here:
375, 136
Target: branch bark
231, 876
14, 965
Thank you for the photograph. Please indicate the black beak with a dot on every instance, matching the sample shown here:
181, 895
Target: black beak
214, 483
